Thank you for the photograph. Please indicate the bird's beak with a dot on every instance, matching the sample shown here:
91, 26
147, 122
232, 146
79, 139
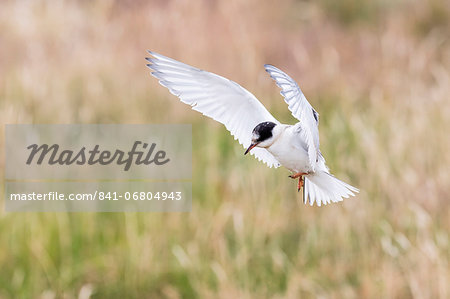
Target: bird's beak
250, 148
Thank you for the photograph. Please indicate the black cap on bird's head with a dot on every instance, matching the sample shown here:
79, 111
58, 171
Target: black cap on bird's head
262, 133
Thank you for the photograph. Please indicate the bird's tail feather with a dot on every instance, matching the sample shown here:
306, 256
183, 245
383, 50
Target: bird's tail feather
322, 187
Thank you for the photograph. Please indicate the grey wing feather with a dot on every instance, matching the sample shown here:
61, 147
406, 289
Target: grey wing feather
300, 109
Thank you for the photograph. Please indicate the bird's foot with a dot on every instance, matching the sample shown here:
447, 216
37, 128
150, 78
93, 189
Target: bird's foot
300, 183
297, 175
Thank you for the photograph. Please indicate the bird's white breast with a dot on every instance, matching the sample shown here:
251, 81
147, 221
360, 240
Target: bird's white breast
291, 151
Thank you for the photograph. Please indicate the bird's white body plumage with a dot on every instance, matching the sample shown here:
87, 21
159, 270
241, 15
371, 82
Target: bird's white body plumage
295, 147
290, 149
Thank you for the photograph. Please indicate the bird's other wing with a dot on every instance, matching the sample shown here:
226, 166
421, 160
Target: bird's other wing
300, 109
216, 97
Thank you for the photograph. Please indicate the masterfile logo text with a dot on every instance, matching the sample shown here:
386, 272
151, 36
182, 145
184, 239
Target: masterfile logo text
52, 155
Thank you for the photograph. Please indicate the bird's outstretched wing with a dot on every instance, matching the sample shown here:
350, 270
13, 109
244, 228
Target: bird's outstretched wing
216, 97
300, 109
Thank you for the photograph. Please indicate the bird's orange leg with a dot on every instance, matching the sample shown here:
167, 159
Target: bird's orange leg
300, 183
297, 175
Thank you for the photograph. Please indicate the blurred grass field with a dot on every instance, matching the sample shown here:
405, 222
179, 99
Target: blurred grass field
378, 73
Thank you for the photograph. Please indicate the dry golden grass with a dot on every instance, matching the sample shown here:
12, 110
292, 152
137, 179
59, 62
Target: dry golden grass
377, 73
